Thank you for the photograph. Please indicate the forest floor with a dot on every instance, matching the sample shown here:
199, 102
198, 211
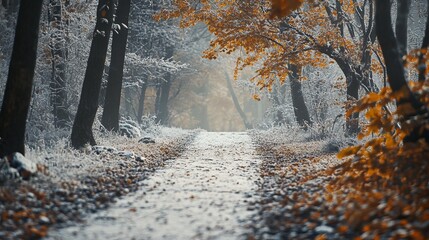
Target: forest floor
189, 185
292, 188
206, 193
76, 183
306, 192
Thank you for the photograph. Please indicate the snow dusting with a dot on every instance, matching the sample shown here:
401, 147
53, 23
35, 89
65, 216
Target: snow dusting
204, 194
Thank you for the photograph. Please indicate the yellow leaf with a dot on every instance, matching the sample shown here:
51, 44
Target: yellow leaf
256, 97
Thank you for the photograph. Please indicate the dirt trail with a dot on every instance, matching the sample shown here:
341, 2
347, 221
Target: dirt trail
202, 195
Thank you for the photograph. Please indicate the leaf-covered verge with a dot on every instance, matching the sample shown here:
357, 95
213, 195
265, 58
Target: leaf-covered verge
308, 193
76, 183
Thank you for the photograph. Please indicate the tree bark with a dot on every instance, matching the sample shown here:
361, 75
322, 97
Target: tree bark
390, 49
162, 117
162, 113
352, 123
240, 111
353, 79
110, 118
17, 96
395, 68
88, 104
299, 107
59, 55
425, 45
403, 10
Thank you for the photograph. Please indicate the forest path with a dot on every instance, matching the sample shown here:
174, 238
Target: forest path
204, 194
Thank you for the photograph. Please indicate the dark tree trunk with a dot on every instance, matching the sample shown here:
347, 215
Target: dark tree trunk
110, 118
402, 25
59, 55
389, 47
162, 116
299, 107
395, 68
88, 104
353, 80
240, 111
17, 96
162, 113
425, 45
352, 123
142, 97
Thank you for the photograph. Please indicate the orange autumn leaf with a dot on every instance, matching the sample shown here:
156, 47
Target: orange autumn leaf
256, 97
348, 151
282, 8
417, 235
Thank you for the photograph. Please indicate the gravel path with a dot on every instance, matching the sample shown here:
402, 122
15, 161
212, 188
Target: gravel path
204, 194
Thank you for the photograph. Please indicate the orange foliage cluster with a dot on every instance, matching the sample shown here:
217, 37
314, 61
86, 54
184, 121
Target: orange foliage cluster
268, 43
384, 186
387, 176
282, 8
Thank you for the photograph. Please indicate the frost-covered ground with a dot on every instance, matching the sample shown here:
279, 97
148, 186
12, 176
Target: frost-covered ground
307, 193
292, 170
204, 194
77, 182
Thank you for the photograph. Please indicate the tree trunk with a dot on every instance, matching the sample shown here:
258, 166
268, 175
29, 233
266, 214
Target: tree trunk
162, 113
425, 45
395, 68
390, 49
299, 107
59, 55
352, 123
240, 111
162, 116
278, 96
353, 80
110, 118
141, 102
88, 104
403, 10
17, 96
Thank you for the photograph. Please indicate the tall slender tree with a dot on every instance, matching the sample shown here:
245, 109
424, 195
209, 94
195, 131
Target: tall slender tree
142, 97
299, 107
403, 9
88, 104
237, 105
59, 55
110, 118
17, 96
425, 45
162, 110
390, 46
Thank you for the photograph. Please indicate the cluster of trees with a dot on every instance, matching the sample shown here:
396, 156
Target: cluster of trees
282, 41
340, 32
50, 39
319, 34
